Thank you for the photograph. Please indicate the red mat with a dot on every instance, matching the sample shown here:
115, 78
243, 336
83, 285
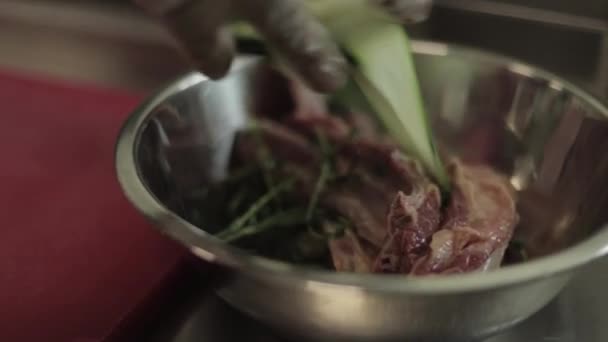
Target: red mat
75, 258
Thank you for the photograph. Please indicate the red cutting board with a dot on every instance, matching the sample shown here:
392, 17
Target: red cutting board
76, 260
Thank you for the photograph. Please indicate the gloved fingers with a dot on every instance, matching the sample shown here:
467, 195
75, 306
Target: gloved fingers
199, 26
407, 11
302, 41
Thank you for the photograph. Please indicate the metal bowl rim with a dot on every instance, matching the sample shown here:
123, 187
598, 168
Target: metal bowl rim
213, 250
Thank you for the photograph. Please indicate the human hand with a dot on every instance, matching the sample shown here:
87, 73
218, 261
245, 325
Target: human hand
201, 27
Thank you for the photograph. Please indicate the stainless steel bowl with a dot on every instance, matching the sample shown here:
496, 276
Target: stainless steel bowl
546, 133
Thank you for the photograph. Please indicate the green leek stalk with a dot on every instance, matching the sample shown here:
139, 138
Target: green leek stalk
383, 73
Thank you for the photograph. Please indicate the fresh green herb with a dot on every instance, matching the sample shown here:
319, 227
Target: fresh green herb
324, 175
256, 207
238, 200
286, 218
265, 159
319, 187
267, 163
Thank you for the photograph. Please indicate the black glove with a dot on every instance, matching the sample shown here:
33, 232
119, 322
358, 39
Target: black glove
286, 24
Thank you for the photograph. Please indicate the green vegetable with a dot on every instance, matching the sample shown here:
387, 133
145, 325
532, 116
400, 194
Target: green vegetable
265, 159
286, 218
324, 175
255, 208
384, 73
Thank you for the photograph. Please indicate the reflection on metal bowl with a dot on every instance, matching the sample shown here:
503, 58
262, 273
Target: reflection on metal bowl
546, 134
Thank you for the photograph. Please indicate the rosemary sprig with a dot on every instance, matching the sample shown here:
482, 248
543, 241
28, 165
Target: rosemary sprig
319, 187
238, 199
324, 174
290, 217
265, 160
260, 203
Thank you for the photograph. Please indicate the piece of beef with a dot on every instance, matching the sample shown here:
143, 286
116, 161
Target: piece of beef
373, 172
478, 225
349, 254
333, 127
363, 125
412, 220
393, 207
381, 172
413, 217
283, 144
338, 128
307, 103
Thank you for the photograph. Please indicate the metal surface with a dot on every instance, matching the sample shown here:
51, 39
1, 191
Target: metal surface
577, 315
544, 132
576, 53
526, 12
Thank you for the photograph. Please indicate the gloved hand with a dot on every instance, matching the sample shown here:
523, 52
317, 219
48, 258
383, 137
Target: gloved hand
286, 24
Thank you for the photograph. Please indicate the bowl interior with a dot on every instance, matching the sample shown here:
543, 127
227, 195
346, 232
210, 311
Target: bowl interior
547, 135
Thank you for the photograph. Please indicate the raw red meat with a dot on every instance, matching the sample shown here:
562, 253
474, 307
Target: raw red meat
394, 208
